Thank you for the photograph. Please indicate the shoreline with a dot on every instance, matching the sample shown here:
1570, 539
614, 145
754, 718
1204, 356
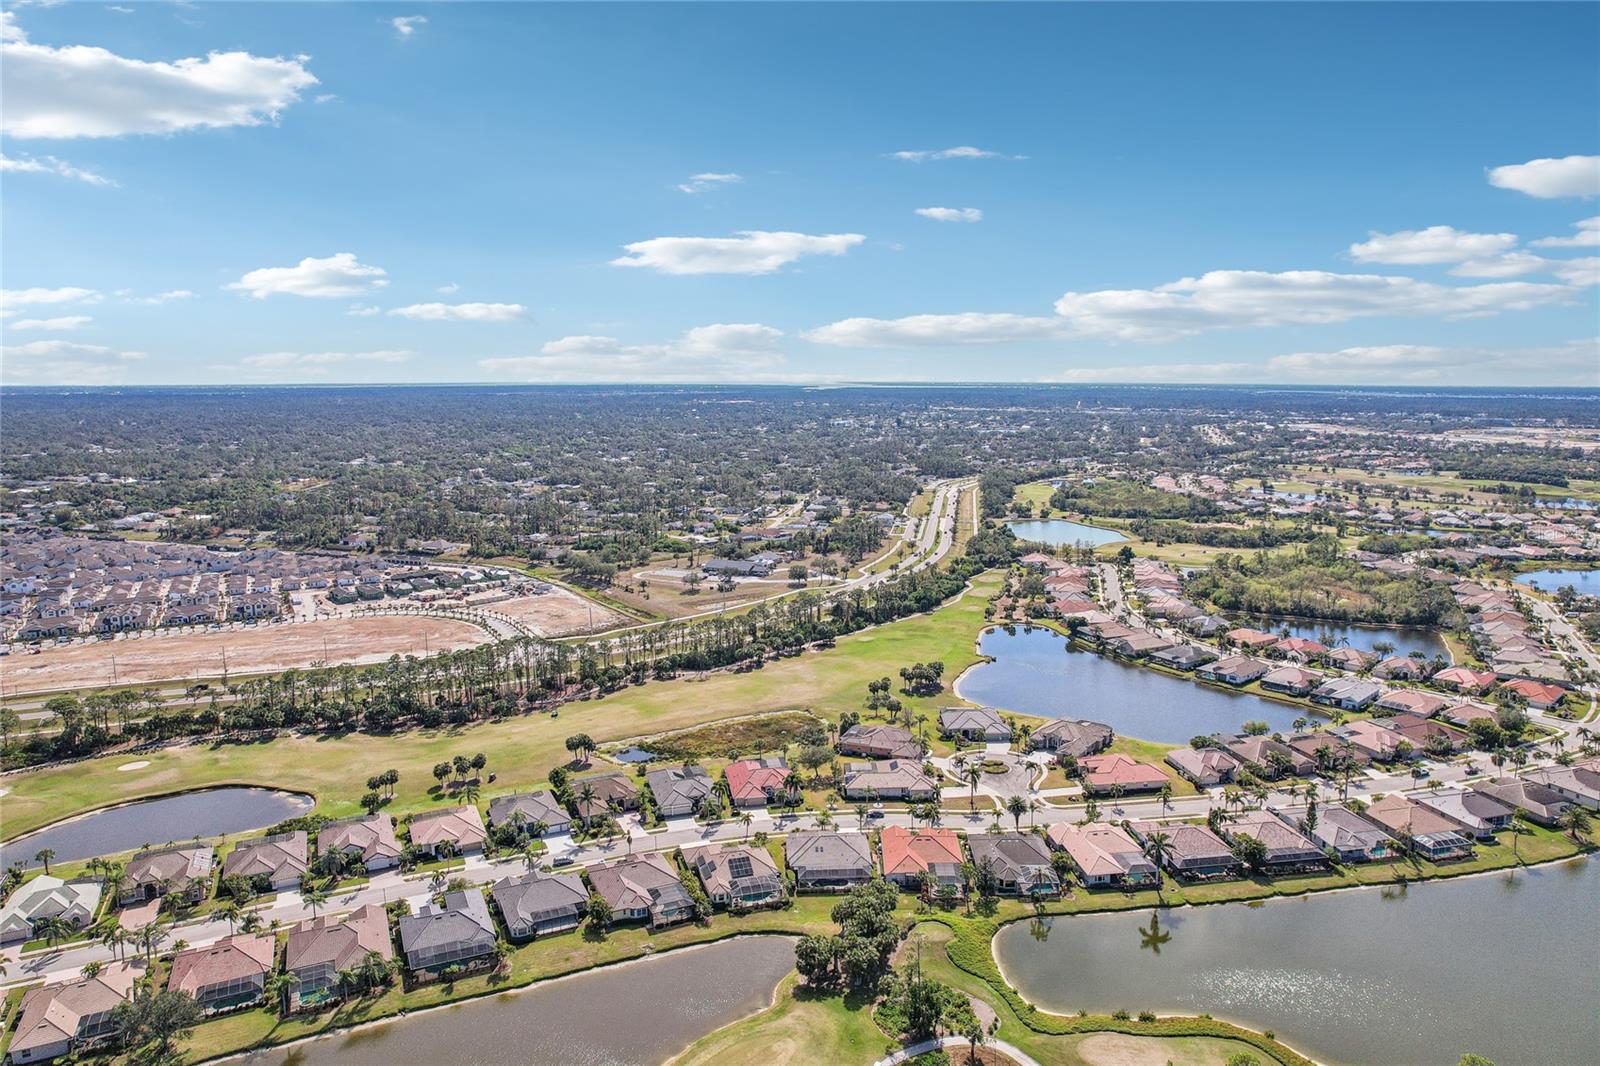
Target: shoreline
169, 794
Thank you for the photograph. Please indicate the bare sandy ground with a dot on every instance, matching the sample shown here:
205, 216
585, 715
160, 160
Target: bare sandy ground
254, 650
557, 613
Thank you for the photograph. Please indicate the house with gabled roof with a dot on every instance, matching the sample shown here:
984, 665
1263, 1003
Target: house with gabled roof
643, 888
909, 855
738, 876
272, 863
539, 904
319, 949
1194, 852
75, 902
458, 931
827, 861
185, 870
58, 1019
1341, 831
679, 790
1430, 833
456, 831
231, 972
1103, 855
1020, 861
1287, 849
1477, 813
368, 837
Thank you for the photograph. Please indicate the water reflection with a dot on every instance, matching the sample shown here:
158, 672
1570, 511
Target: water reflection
1152, 937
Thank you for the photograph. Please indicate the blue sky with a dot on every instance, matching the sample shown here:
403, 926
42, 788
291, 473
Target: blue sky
208, 193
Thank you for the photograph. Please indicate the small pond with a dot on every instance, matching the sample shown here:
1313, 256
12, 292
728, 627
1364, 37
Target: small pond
1037, 672
1061, 533
1586, 582
207, 813
634, 755
1501, 965
1405, 639
644, 1013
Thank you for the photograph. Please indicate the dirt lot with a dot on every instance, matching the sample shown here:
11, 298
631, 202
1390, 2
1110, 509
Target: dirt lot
251, 650
557, 613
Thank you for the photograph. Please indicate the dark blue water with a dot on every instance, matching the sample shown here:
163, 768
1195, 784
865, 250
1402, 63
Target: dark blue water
1587, 582
1405, 639
1062, 533
154, 822
1038, 673
634, 755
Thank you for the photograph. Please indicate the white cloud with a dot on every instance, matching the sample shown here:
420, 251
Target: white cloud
65, 322
82, 91
914, 331
301, 360
462, 312
337, 275
951, 214
1232, 299
49, 164
1587, 236
965, 151
364, 310
1575, 272
1574, 363
1578, 272
749, 252
704, 182
162, 297
58, 362
406, 25
720, 352
449, 289
13, 298
1550, 179
119, 9
1436, 244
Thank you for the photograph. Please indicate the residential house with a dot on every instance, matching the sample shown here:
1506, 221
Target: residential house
1234, 670
527, 811
75, 902
537, 904
1424, 829
1411, 701
1300, 649
679, 789
456, 831
232, 972
890, 779
1425, 734
1374, 739
757, 782
1464, 714
910, 855
1401, 668
1205, 767
1349, 659
973, 723
738, 876
457, 932
1066, 736
825, 861
1294, 680
1103, 855
1466, 680
1185, 657
272, 863
644, 888
1477, 813
1540, 696
1107, 773
610, 790
318, 950
1268, 758
1541, 804
1347, 693
879, 742
1138, 644
58, 1019
1340, 831
1194, 852
370, 838
1020, 862
185, 870
1287, 849
1251, 639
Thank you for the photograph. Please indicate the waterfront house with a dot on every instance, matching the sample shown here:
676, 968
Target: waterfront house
58, 1019
538, 904
1138, 644
1250, 639
1065, 736
879, 742
1347, 693
1540, 804
890, 779
973, 723
1185, 657
272, 863
74, 902
1300, 649
679, 790
1205, 767
184, 870
457, 831
824, 861
370, 838
318, 950
1103, 855
230, 973
1411, 701
1234, 670
1340, 831
738, 876
1579, 783
1020, 862
1268, 758
1293, 680
643, 888
757, 782
527, 811
1287, 849
1401, 668
911, 854
1477, 813
1194, 852
1349, 659
457, 932
1104, 773
1429, 833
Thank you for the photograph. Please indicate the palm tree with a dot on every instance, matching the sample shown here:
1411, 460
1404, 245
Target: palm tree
1519, 819
53, 929
586, 796
1575, 820
44, 855
1158, 849
974, 774
277, 987
314, 896
1016, 806
228, 911
745, 819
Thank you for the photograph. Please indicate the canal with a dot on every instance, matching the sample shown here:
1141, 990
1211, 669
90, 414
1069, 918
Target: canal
1502, 965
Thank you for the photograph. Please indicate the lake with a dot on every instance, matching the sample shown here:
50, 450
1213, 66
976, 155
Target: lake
1587, 582
644, 1012
1501, 965
1038, 672
1060, 533
207, 812
1406, 639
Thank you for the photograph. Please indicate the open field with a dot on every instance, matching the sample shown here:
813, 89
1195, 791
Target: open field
266, 648
521, 750
557, 613
1444, 482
